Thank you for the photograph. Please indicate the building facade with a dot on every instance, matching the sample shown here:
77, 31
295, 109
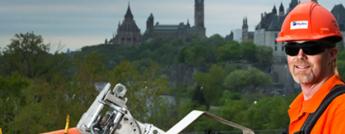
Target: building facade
182, 30
268, 29
199, 18
128, 32
241, 35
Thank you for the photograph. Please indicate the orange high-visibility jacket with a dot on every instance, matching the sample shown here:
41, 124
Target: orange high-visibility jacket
332, 121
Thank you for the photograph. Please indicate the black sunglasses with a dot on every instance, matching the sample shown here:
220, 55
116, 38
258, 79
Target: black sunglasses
309, 48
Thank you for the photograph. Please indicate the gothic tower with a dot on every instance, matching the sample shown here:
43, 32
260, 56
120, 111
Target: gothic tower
128, 32
292, 5
149, 27
245, 36
281, 10
149, 23
199, 17
274, 10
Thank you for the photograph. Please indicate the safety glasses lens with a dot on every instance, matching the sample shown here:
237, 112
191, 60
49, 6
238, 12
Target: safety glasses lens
309, 48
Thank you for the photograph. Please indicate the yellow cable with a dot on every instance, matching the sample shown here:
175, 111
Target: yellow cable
67, 124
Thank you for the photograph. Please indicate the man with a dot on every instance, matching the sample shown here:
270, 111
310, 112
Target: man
310, 33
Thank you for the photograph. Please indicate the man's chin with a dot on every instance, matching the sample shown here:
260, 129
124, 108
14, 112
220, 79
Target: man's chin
303, 79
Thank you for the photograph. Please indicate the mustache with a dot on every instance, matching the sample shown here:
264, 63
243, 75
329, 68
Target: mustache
301, 62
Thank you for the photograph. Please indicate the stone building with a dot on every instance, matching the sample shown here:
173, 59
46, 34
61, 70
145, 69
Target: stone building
241, 35
268, 29
128, 32
182, 30
166, 31
247, 36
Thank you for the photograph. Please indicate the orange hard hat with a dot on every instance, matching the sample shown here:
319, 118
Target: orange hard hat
309, 21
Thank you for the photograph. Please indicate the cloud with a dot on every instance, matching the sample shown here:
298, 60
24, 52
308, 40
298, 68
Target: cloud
74, 42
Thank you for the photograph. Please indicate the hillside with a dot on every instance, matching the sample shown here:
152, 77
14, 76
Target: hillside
227, 78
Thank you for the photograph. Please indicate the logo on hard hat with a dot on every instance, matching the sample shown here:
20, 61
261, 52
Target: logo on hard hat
299, 24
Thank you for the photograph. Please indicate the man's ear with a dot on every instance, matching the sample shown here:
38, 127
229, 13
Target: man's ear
333, 53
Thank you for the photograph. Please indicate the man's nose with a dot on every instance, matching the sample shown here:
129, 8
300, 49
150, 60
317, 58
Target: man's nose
301, 54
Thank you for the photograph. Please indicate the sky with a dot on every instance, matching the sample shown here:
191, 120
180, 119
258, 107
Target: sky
72, 24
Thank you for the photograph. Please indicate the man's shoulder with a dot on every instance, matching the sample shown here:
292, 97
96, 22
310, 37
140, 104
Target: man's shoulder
338, 102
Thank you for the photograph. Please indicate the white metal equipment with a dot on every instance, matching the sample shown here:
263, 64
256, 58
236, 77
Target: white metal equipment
117, 119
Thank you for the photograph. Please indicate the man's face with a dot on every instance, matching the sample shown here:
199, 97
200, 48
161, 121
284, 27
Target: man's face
311, 69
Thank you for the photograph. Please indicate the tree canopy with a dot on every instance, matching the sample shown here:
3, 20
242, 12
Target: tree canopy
165, 80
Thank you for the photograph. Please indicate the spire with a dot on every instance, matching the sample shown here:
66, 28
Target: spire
281, 10
274, 10
262, 16
149, 23
151, 15
230, 36
150, 18
129, 12
292, 5
281, 7
245, 23
118, 27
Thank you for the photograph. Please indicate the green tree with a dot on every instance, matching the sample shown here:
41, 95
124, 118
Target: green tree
263, 57
215, 39
90, 68
234, 110
198, 54
268, 113
249, 52
80, 92
145, 90
44, 110
199, 97
211, 83
27, 55
246, 78
229, 51
11, 99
